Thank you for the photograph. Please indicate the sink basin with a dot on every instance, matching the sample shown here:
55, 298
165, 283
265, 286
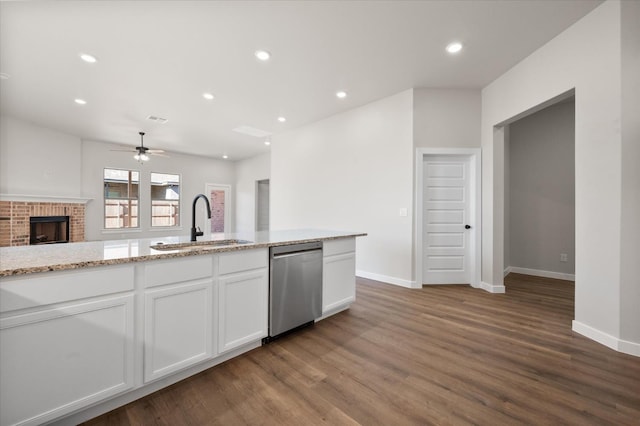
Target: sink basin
199, 245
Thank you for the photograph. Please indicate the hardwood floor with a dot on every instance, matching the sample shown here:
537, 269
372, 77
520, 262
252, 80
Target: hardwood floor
440, 355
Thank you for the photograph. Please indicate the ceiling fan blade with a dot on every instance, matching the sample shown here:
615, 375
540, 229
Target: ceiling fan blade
158, 154
155, 151
124, 150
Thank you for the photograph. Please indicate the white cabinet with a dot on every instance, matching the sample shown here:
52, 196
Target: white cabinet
338, 275
243, 288
178, 315
56, 360
178, 328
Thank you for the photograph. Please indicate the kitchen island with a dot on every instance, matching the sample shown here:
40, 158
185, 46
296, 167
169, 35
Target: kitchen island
87, 327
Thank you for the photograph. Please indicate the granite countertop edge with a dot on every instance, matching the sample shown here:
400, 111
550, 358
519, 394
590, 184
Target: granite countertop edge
71, 264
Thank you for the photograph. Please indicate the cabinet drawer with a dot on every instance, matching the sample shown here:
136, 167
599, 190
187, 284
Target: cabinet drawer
171, 271
243, 260
344, 245
56, 287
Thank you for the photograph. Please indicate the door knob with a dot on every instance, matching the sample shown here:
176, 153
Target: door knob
467, 227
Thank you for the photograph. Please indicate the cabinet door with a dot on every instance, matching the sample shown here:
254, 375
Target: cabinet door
57, 360
338, 281
243, 308
178, 328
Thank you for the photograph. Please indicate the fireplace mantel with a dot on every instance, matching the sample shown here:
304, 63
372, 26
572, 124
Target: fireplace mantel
43, 199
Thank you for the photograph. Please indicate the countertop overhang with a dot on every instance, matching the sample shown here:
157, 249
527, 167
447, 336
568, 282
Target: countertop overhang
23, 260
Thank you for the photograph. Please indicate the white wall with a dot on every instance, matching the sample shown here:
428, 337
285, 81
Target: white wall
446, 118
587, 57
630, 245
194, 172
541, 188
247, 173
352, 171
35, 160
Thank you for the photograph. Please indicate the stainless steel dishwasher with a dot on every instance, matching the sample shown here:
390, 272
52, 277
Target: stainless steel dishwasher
295, 286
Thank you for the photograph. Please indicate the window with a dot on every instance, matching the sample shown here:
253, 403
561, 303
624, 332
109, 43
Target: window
121, 198
165, 199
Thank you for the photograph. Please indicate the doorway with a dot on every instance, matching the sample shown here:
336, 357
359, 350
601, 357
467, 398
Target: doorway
448, 216
262, 205
539, 193
220, 200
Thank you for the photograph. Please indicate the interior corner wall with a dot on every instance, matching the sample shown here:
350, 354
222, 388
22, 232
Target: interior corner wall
446, 118
195, 172
248, 172
586, 57
352, 171
540, 197
35, 160
630, 126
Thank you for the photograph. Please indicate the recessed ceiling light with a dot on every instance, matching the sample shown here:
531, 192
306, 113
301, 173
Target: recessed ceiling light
267, 141
263, 55
454, 47
282, 119
80, 101
208, 96
88, 58
341, 94
4, 76
225, 156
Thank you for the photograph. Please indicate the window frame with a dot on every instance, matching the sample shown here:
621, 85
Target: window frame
178, 221
128, 199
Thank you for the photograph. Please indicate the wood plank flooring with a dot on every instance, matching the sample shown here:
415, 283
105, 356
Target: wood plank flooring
440, 355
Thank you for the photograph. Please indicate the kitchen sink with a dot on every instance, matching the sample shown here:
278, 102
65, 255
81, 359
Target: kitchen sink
199, 245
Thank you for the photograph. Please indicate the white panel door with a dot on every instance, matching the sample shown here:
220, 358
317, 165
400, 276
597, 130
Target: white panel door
447, 248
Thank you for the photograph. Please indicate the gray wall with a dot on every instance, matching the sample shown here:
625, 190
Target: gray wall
542, 190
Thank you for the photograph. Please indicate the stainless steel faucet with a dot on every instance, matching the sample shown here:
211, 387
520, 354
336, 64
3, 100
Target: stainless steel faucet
196, 233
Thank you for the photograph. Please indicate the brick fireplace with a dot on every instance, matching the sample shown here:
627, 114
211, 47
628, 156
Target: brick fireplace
15, 217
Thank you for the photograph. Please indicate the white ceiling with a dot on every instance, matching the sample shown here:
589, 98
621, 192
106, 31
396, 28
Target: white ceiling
157, 58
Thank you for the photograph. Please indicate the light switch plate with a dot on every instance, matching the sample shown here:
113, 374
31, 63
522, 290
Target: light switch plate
402, 212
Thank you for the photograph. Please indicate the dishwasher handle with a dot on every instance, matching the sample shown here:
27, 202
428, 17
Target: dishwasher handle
297, 253
293, 249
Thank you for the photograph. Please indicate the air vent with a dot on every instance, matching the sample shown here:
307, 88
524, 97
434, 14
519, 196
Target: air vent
157, 119
252, 131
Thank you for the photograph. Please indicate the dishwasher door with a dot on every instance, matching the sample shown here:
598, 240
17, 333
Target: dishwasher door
295, 291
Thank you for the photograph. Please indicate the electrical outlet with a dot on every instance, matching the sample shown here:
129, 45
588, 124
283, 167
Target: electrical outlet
563, 257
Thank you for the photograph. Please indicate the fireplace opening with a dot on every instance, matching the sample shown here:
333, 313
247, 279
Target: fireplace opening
49, 229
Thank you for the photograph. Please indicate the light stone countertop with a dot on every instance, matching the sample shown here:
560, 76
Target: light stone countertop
22, 260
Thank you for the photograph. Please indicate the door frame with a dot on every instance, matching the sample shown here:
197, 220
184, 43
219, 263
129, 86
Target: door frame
208, 187
475, 183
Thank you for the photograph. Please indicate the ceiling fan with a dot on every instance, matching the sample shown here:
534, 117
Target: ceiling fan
142, 153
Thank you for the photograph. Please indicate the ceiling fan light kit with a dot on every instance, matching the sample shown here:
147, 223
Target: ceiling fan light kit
142, 153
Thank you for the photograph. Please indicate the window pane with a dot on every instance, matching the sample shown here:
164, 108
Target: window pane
120, 198
165, 199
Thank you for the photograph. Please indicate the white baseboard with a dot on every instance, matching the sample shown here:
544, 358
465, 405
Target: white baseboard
507, 270
540, 273
387, 279
492, 288
608, 340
